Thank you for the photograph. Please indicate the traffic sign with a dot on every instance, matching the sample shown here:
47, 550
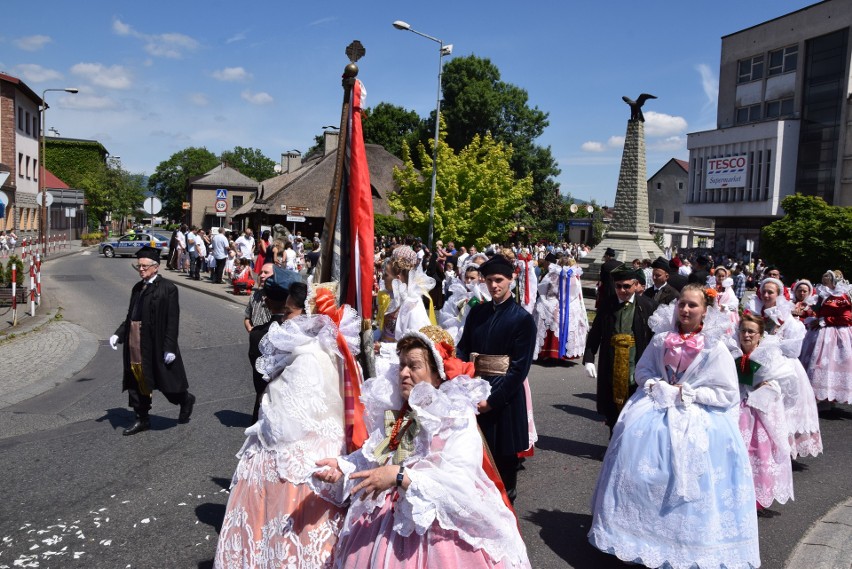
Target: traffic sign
560, 227
221, 214
185, 205
299, 218
221, 194
152, 205
40, 196
221, 206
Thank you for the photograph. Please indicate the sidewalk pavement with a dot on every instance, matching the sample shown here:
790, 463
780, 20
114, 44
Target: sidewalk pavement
47, 351
43, 350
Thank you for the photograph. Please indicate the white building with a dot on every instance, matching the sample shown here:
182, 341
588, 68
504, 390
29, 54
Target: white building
783, 123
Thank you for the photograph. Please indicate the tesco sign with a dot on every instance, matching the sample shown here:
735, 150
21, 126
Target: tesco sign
726, 172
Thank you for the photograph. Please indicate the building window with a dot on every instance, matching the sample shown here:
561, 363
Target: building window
236, 201
659, 185
27, 123
35, 170
748, 114
20, 118
779, 108
750, 69
28, 168
20, 164
658, 215
783, 60
680, 186
35, 125
676, 217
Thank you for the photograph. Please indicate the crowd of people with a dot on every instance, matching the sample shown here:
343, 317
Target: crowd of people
709, 394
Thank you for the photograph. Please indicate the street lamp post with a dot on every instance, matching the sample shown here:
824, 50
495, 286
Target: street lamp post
43, 205
442, 51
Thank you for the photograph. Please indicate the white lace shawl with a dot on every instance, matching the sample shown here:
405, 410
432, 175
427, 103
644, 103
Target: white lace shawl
710, 380
781, 390
453, 314
301, 412
409, 299
823, 293
448, 484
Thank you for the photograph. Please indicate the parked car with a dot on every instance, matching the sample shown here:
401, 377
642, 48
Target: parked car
129, 245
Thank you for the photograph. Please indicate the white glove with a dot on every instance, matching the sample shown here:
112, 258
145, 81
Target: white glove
113, 340
591, 371
663, 394
168, 357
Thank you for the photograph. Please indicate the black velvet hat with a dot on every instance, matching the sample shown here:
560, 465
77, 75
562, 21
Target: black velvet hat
626, 273
497, 265
661, 263
148, 252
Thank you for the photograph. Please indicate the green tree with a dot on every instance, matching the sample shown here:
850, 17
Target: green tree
390, 125
477, 195
250, 162
475, 102
387, 225
169, 180
811, 238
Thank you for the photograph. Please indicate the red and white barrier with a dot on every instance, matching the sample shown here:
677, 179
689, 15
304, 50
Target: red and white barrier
14, 295
32, 288
38, 279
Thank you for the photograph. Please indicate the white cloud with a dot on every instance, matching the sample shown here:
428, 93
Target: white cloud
615, 142
321, 21
240, 36
260, 98
171, 45
592, 146
670, 144
661, 124
36, 73
710, 84
113, 77
88, 102
198, 99
231, 74
32, 43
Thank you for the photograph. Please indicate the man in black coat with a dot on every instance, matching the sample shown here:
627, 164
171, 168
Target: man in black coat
502, 335
661, 291
606, 291
676, 280
149, 334
619, 335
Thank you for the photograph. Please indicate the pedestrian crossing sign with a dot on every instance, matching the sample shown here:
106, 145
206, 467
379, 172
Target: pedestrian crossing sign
221, 194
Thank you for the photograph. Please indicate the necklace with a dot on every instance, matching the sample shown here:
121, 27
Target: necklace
399, 429
689, 335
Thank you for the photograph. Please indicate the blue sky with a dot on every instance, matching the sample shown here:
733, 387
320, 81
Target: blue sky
156, 77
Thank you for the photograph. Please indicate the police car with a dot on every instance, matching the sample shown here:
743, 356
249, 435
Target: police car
128, 245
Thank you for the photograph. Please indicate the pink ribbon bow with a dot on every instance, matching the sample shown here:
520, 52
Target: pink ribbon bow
680, 352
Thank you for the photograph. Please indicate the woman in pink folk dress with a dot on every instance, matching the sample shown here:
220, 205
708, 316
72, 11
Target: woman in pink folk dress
827, 350
421, 495
762, 371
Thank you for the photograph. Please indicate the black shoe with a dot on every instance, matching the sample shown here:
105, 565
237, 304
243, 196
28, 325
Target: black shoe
186, 408
137, 427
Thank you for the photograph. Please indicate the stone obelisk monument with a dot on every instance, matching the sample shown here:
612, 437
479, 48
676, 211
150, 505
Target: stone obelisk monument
629, 233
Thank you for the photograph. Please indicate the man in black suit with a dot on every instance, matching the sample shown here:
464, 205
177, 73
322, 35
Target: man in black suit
619, 335
661, 291
606, 292
676, 280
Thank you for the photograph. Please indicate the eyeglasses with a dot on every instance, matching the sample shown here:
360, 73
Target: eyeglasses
144, 267
749, 332
624, 286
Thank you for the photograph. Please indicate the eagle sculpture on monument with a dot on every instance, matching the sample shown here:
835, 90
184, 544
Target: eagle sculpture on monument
636, 106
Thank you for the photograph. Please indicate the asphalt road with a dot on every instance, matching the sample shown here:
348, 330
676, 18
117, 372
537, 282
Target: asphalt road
78, 494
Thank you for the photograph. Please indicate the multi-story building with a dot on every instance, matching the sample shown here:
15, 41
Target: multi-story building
783, 123
19, 154
666, 196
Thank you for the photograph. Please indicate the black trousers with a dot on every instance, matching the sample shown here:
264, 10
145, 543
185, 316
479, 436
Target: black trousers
507, 466
142, 403
259, 389
220, 270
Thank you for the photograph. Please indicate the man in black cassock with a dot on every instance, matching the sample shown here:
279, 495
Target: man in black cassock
499, 337
619, 335
149, 334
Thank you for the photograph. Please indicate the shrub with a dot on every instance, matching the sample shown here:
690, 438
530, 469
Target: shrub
14, 260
